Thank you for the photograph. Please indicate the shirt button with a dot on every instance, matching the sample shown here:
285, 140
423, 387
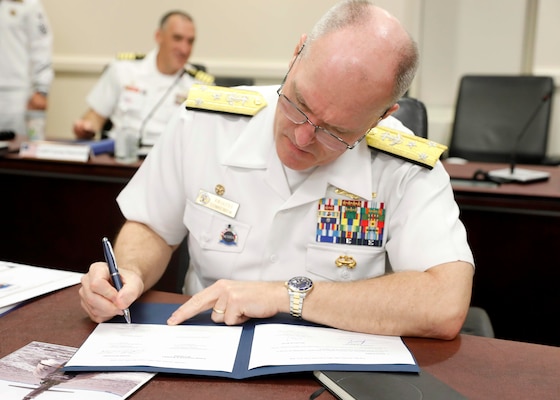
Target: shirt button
273, 258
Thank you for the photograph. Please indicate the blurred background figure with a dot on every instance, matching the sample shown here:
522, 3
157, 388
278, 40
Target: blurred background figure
26, 70
140, 93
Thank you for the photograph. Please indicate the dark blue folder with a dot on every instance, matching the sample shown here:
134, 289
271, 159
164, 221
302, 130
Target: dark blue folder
157, 313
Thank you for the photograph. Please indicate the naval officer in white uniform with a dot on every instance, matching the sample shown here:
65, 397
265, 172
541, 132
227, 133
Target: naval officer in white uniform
287, 209
142, 92
26, 72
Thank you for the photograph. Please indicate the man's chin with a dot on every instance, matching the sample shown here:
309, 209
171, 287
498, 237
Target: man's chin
295, 161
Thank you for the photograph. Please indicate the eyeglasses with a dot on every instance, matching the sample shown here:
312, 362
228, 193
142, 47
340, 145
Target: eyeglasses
298, 117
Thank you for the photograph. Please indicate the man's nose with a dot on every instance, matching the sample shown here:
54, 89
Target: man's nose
185, 47
305, 134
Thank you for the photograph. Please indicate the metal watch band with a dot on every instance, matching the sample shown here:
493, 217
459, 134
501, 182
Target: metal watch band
296, 304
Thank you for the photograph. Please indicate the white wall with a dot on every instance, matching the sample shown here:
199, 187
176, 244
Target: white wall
547, 59
256, 38
243, 38
487, 37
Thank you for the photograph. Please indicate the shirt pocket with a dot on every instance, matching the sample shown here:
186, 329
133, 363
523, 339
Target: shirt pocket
321, 261
214, 231
132, 100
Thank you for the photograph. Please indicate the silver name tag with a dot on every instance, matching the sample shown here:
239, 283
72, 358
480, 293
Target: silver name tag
217, 203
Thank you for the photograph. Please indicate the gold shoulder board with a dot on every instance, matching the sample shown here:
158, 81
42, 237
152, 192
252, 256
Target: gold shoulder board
412, 148
200, 75
225, 100
130, 56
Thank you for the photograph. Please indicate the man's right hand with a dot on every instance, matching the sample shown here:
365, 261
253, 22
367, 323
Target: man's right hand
84, 129
100, 299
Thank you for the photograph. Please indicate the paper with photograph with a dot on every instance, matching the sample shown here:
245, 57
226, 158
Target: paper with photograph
34, 372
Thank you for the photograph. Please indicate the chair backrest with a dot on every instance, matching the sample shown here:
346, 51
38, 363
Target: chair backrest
229, 81
478, 323
412, 113
493, 116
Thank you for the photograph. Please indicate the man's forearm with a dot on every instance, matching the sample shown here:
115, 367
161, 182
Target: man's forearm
141, 250
428, 304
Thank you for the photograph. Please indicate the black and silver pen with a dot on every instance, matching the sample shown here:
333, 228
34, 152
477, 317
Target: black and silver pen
114, 271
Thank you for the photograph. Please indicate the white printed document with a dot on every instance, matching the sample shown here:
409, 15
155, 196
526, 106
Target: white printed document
19, 282
283, 344
183, 347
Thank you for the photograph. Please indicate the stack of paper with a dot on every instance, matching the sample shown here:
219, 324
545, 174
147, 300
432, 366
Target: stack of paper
19, 282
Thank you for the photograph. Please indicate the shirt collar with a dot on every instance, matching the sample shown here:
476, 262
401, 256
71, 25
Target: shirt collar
350, 172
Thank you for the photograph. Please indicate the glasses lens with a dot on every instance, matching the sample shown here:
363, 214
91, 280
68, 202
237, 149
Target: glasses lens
297, 117
329, 141
290, 111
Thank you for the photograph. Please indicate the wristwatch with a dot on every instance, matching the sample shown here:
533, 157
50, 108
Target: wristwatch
298, 288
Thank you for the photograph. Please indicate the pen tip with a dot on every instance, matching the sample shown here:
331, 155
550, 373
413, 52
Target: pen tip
127, 316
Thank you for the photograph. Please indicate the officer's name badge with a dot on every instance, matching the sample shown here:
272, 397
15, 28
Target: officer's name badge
217, 203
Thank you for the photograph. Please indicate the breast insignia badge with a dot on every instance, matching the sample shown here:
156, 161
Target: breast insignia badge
228, 236
346, 261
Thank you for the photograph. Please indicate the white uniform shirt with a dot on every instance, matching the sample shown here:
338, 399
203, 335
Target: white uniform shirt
25, 58
275, 231
136, 94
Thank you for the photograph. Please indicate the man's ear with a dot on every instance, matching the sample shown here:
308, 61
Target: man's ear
391, 110
300, 44
157, 36
298, 48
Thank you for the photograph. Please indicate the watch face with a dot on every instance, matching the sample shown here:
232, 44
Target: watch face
300, 284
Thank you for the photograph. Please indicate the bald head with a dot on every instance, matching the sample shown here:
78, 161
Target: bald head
367, 44
346, 76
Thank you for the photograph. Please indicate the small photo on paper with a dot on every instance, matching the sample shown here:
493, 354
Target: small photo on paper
34, 372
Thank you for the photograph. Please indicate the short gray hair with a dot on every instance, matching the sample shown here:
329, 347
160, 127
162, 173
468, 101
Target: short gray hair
170, 14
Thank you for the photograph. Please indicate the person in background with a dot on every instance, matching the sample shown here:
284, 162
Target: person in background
142, 92
286, 208
26, 70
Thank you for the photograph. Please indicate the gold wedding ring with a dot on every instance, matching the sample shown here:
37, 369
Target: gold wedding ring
218, 311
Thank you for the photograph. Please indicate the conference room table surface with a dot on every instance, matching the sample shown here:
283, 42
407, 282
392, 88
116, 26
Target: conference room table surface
477, 367
547, 189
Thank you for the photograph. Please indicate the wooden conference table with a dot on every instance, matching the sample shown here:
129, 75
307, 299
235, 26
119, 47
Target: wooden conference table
479, 368
54, 214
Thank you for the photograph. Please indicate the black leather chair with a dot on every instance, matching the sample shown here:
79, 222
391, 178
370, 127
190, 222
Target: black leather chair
478, 323
229, 81
502, 118
412, 113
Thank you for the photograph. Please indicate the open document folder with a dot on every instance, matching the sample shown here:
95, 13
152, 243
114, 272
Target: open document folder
259, 347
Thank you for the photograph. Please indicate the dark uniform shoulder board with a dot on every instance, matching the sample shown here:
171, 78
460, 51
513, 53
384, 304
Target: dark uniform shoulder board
400, 144
200, 75
225, 100
130, 56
